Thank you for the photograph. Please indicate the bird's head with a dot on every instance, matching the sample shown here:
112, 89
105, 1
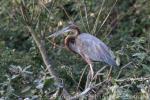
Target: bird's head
70, 28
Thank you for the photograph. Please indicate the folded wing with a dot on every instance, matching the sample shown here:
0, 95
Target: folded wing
94, 48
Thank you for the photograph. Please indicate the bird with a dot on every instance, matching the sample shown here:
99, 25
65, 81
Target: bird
89, 47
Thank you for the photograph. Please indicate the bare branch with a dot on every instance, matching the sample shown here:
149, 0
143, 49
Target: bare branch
123, 68
87, 90
41, 46
43, 52
107, 81
40, 42
132, 79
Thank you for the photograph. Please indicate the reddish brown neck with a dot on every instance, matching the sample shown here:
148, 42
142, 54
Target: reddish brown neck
71, 39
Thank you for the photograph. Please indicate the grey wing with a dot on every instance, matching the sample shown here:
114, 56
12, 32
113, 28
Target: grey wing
95, 49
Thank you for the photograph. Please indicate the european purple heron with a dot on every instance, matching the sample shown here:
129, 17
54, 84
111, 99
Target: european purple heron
89, 47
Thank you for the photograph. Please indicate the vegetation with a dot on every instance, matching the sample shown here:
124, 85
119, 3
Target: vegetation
124, 25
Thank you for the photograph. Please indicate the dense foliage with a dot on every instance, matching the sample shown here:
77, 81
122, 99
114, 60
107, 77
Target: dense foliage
124, 25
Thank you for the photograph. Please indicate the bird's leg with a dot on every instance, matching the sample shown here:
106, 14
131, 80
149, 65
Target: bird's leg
91, 69
86, 58
89, 76
90, 73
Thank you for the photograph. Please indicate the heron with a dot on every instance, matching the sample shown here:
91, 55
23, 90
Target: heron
89, 47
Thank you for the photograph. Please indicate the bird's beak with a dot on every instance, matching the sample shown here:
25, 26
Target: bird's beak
61, 32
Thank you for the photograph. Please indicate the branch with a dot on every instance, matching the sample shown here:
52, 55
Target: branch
132, 79
40, 42
41, 46
87, 90
108, 81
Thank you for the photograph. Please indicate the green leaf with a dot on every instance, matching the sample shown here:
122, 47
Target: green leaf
48, 82
26, 89
140, 55
146, 67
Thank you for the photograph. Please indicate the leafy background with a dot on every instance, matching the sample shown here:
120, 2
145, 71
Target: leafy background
124, 25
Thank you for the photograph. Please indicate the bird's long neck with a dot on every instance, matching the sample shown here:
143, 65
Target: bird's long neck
70, 39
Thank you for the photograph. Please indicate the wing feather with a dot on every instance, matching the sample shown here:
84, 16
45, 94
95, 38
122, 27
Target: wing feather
94, 48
